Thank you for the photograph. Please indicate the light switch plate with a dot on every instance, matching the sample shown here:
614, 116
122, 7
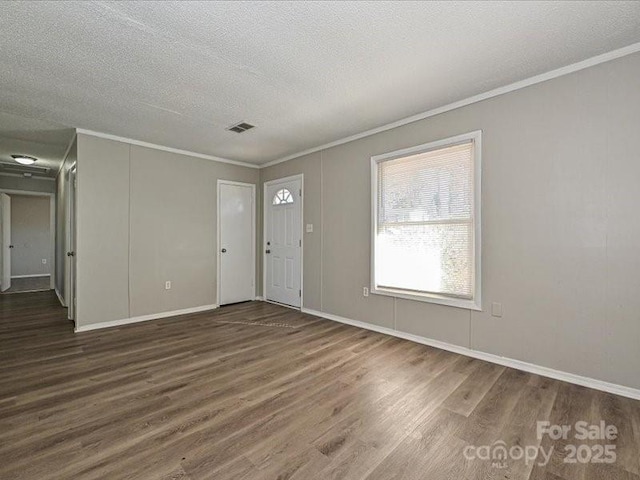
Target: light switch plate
309, 227
496, 309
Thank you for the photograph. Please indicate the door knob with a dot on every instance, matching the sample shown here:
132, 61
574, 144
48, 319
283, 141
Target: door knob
224, 250
10, 246
267, 251
71, 254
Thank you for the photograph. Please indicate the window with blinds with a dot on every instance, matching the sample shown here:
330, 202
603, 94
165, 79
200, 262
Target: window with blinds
426, 222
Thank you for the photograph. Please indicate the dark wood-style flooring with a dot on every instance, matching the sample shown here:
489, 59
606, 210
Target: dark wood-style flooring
257, 391
29, 284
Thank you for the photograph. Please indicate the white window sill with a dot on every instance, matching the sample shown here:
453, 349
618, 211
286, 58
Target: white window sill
469, 304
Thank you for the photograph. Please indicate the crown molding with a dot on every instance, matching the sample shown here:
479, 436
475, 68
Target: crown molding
164, 148
543, 77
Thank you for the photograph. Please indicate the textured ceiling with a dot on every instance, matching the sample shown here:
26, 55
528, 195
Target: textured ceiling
305, 73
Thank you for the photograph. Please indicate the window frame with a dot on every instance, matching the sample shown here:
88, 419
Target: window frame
474, 303
286, 200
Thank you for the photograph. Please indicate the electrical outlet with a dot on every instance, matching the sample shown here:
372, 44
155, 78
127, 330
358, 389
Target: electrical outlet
44, 261
496, 309
365, 291
167, 285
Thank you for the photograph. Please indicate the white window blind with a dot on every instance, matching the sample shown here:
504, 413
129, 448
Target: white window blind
425, 222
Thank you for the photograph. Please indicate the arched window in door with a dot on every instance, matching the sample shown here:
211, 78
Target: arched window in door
282, 197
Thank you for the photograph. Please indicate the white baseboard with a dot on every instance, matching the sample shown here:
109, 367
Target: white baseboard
143, 318
62, 302
259, 299
489, 357
32, 276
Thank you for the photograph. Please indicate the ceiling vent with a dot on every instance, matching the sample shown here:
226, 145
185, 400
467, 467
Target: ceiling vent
240, 127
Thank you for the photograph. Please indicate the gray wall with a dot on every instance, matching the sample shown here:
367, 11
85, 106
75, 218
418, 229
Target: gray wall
561, 233
62, 199
145, 216
102, 223
30, 235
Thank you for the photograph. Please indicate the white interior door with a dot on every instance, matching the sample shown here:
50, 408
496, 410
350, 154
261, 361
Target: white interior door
5, 224
283, 242
71, 245
237, 242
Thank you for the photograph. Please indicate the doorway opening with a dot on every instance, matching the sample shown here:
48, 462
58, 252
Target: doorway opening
282, 266
27, 238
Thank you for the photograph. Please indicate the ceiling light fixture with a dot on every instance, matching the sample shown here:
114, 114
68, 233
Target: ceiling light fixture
24, 159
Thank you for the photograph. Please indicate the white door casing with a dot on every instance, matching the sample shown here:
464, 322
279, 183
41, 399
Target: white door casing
71, 244
236, 242
5, 213
283, 241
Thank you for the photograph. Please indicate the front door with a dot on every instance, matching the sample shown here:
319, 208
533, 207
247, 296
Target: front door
283, 241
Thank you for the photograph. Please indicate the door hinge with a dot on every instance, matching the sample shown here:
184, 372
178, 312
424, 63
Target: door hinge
300, 243
300, 192
300, 293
